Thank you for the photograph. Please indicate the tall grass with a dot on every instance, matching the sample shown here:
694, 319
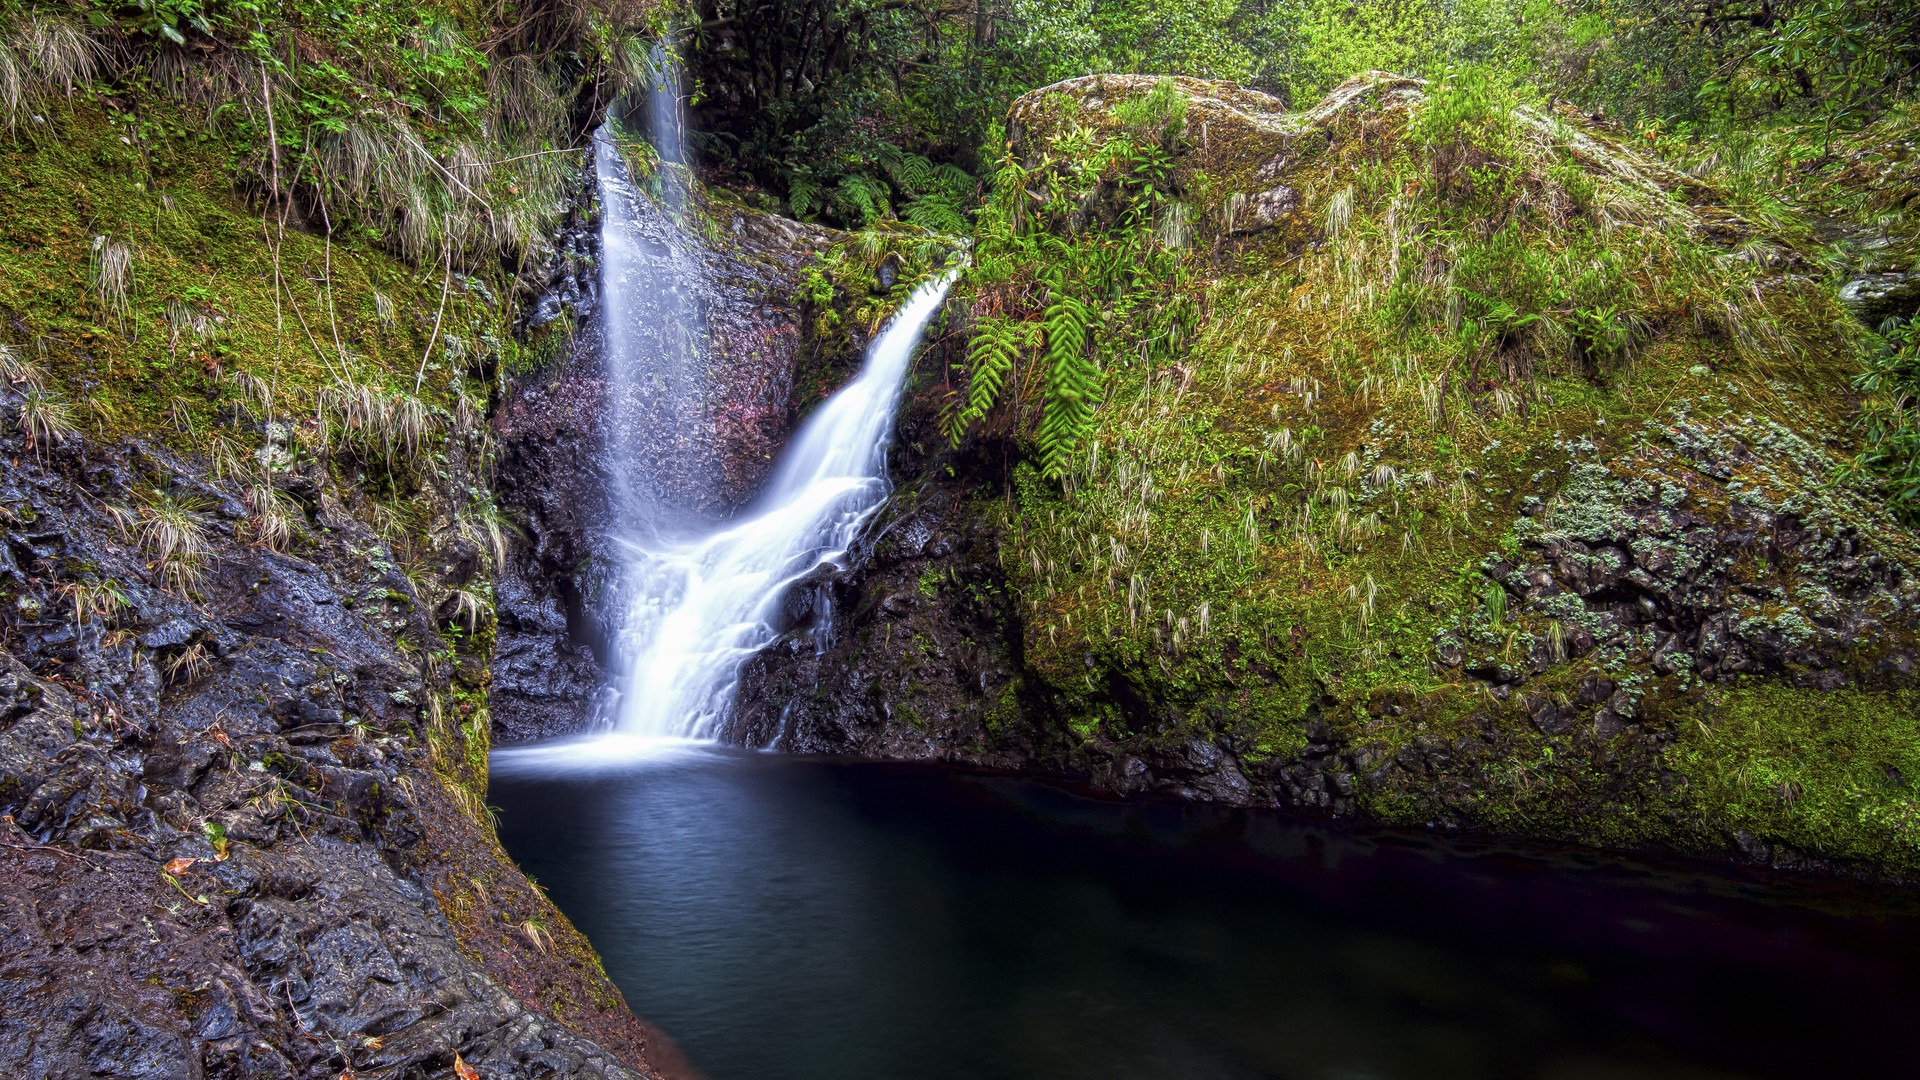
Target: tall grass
110, 274
46, 420
390, 425
175, 540
43, 57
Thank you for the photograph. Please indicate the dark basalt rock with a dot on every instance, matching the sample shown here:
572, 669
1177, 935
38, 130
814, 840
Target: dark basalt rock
226, 850
1874, 298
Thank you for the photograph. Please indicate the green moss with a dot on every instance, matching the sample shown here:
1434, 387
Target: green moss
1832, 773
1344, 470
201, 297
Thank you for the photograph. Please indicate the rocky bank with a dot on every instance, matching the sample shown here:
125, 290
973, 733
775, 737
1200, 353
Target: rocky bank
245, 645
229, 849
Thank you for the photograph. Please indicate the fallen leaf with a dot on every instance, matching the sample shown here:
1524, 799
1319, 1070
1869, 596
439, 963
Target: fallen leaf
463, 1070
180, 866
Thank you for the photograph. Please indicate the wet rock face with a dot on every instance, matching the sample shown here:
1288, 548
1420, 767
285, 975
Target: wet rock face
1875, 297
226, 849
906, 654
548, 644
754, 340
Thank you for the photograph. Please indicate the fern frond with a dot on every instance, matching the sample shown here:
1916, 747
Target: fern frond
953, 180
1073, 382
996, 345
860, 199
936, 212
803, 196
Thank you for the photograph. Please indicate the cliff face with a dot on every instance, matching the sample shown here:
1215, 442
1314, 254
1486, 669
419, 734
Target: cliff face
245, 628
1486, 485
242, 835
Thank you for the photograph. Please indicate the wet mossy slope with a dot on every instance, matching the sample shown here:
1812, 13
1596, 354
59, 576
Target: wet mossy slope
1423, 458
248, 618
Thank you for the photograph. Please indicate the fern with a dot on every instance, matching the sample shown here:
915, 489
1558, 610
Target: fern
995, 347
1073, 382
909, 172
953, 180
936, 212
804, 196
860, 199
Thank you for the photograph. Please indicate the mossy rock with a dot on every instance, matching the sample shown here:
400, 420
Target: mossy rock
1486, 480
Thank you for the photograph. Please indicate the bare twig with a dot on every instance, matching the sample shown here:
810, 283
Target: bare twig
446, 283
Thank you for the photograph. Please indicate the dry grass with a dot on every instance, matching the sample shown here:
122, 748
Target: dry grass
472, 606
110, 273
188, 665
269, 518
46, 420
101, 601
42, 57
176, 542
492, 527
255, 392
390, 424
18, 370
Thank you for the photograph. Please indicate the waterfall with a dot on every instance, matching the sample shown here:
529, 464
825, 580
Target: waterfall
699, 608
697, 594
653, 274
697, 604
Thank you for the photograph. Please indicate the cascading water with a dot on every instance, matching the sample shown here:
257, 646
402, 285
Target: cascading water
696, 599
701, 607
653, 328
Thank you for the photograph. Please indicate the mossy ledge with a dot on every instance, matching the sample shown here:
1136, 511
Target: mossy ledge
1453, 466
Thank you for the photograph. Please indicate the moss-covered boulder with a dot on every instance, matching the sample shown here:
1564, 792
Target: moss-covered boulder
1447, 462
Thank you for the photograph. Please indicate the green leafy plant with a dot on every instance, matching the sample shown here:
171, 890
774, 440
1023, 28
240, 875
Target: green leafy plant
996, 345
1157, 117
1891, 417
1073, 381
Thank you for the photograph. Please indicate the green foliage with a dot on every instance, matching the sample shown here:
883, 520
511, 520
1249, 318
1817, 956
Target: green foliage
1106, 296
1720, 68
996, 345
798, 95
1325, 41
937, 211
158, 18
1465, 106
437, 128
1891, 417
1156, 117
860, 199
1073, 380
1816, 770
870, 188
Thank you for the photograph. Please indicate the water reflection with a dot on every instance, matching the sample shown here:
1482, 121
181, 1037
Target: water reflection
789, 919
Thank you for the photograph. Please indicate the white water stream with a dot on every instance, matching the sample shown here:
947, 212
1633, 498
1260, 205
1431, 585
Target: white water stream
699, 608
696, 600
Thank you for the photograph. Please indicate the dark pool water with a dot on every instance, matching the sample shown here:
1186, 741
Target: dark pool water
789, 919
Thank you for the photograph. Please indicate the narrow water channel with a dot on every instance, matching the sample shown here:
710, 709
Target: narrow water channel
794, 919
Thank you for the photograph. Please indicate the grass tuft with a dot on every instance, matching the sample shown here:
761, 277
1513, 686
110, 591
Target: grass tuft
175, 541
